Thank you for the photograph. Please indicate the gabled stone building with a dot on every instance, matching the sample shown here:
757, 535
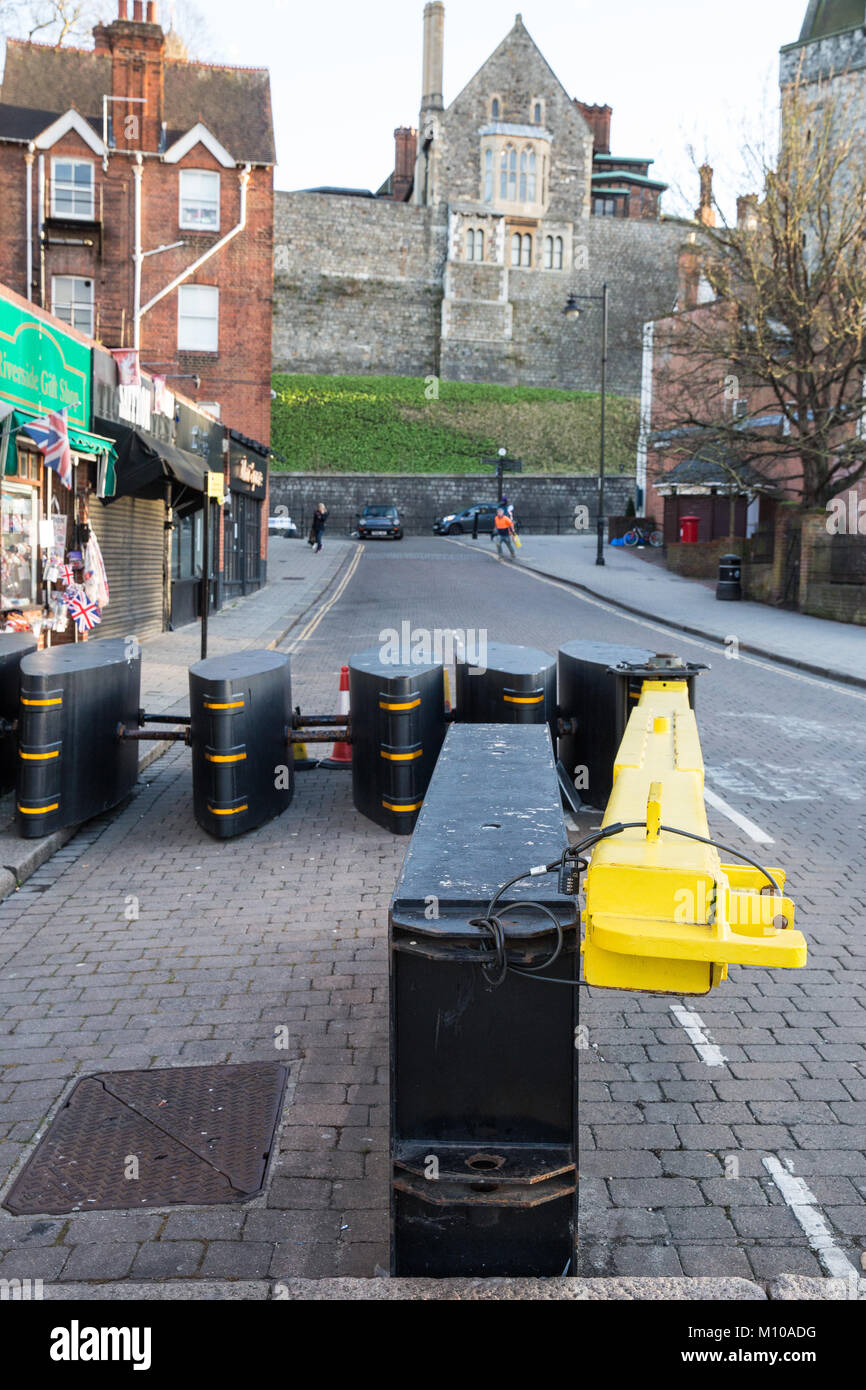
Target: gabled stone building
499, 205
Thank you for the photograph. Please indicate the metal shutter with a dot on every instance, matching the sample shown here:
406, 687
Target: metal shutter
131, 535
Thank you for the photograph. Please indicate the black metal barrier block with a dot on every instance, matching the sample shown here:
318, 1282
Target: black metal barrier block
483, 1077
13, 647
72, 764
398, 724
601, 703
240, 719
516, 685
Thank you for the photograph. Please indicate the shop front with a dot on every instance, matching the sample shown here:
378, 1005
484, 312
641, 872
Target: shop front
203, 437
52, 577
245, 521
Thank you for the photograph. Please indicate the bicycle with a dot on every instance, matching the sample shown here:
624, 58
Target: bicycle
644, 535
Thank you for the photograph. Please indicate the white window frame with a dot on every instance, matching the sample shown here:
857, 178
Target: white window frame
74, 303
190, 224
70, 184
188, 340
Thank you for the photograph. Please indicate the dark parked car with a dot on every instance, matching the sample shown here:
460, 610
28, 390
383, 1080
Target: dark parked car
380, 521
455, 523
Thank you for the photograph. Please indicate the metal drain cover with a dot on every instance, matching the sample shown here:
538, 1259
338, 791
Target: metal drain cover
185, 1136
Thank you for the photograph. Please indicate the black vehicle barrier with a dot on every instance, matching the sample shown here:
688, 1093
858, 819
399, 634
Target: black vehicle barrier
71, 764
397, 728
516, 685
14, 646
483, 1076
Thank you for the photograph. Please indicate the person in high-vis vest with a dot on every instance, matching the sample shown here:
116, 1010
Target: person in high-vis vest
504, 531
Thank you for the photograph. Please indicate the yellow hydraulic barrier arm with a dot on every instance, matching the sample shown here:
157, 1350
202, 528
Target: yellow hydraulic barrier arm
663, 913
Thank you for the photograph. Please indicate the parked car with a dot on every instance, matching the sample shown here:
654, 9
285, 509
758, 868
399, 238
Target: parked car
456, 523
282, 526
380, 521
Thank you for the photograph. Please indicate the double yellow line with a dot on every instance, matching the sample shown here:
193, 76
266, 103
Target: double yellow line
307, 632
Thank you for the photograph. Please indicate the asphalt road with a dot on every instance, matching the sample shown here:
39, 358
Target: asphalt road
703, 1152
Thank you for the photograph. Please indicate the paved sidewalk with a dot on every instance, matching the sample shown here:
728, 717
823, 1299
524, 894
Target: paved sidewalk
296, 578
826, 648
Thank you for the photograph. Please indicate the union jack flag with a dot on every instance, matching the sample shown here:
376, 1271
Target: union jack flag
51, 438
65, 576
85, 614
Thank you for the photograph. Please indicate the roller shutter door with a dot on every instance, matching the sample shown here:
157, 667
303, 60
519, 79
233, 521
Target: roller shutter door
131, 535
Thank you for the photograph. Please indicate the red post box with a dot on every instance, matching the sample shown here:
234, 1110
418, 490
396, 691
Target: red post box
689, 529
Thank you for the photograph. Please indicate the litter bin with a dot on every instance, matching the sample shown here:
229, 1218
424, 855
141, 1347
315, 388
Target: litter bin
689, 529
729, 586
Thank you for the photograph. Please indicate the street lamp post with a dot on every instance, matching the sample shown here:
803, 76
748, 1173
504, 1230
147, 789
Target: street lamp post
573, 311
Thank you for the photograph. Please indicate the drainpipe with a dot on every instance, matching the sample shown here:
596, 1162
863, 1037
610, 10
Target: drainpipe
244, 177
28, 158
40, 226
138, 255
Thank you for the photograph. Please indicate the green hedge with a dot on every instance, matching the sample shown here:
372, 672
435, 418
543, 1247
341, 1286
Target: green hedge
387, 424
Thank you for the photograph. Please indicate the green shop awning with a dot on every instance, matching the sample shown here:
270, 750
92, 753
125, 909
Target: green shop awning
80, 441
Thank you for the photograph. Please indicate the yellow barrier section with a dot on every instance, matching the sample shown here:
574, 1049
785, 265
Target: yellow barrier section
663, 913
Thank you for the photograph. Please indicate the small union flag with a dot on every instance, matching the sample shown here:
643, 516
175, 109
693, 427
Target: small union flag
85, 614
50, 435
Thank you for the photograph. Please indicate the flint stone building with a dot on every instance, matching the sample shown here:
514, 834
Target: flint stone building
499, 205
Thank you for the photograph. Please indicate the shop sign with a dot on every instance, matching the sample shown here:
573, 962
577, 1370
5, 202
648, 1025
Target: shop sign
41, 367
216, 486
248, 472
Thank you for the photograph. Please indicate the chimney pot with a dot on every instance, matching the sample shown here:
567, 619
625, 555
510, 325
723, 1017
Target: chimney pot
137, 11
151, 12
121, 9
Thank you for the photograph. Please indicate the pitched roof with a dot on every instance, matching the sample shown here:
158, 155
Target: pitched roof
234, 103
711, 466
831, 17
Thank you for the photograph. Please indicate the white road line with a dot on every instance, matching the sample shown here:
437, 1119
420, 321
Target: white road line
695, 1029
752, 830
716, 648
804, 1208
307, 632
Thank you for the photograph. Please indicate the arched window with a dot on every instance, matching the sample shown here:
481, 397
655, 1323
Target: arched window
524, 163
488, 176
479, 245
537, 113
512, 175
533, 179
503, 176
526, 252
494, 108
548, 253
557, 254
470, 245
515, 249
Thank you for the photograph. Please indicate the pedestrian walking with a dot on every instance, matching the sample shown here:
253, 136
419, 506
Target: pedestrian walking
317, 530
503, 531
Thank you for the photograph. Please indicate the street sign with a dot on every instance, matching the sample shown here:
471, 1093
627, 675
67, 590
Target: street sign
505, 465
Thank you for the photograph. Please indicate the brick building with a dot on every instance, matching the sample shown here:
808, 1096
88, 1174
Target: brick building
499, 205
137, 192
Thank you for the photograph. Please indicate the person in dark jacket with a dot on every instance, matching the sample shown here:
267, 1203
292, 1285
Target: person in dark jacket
317, 530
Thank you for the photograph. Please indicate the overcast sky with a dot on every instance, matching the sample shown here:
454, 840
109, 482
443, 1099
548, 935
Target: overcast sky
345, 73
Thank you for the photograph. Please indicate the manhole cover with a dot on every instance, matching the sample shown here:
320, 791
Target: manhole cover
180, 1136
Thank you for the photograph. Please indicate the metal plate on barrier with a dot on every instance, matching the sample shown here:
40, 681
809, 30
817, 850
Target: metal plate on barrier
178, 1136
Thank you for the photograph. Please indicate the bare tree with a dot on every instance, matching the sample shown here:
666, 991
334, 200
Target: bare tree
72, 21
766, 376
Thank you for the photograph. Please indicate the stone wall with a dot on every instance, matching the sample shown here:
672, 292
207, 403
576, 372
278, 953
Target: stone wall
541, 500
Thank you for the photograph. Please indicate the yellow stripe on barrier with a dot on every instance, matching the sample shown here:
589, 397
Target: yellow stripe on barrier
231, 811
38, 757
523, 699
409, 704
58, 700
389, 806
38, 810
225, 757
231, 704
401, 757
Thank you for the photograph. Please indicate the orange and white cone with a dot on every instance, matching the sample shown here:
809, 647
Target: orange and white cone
341, 753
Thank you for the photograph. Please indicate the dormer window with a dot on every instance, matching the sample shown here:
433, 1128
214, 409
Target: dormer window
494, 109
72, 188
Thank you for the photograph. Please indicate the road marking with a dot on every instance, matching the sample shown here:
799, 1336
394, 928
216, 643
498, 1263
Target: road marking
695, 1028
822, 682
326, 607
752, 830
804, 1209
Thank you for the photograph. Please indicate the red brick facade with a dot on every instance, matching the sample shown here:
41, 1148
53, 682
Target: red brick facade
233, 108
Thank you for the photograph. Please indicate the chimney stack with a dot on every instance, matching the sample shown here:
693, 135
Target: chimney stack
121, 10
137, 11
598, 119
405, 145
706, 214
747, 212
434, 55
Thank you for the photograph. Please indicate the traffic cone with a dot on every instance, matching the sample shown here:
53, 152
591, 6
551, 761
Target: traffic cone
341, 753
303, 761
